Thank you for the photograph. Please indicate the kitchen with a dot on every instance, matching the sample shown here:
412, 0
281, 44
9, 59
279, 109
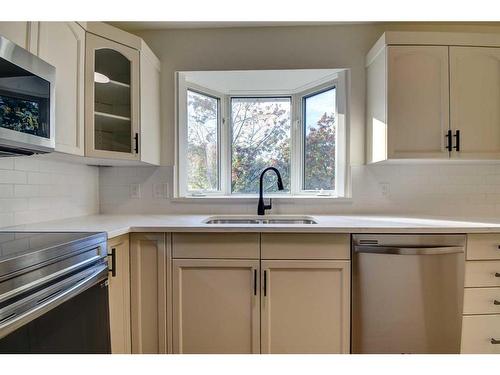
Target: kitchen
344, 174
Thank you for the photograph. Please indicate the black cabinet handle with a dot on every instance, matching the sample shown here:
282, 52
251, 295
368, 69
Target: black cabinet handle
448, 140
113, 262
265, 283
136, 138
457, 140
254, 282
497, 274
496, 302
495, 342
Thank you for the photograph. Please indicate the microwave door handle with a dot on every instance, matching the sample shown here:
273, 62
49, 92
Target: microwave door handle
396, 250
54, 299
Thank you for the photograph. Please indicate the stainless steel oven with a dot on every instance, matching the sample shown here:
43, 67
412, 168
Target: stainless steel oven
54, 293
27, 102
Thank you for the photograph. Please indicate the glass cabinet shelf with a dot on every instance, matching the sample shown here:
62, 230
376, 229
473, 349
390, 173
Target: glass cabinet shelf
112, 116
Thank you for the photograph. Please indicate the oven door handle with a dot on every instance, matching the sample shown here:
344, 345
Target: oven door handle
400, 250
64, 291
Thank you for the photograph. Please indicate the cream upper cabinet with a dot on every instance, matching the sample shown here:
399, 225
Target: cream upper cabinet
24, 34
119, 294
122, 93
417, 101
475, 101
112, 99
305, 306
433, 96
62, 44
216, 306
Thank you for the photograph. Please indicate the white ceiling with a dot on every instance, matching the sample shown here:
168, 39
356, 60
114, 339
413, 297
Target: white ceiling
235, 81
159, 25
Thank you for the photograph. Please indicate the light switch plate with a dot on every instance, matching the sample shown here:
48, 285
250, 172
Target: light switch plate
385, 189
135, 191
160, 191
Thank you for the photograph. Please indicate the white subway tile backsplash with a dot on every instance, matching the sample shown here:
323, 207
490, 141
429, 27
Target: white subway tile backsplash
6, 191
12, 177
36, 188
24, 191
441, 189
6, 163
13, 204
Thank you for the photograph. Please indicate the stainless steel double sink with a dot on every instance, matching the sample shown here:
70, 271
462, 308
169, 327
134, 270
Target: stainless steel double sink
259, 220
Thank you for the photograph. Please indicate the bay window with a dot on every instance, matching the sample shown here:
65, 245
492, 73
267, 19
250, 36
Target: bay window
225, 140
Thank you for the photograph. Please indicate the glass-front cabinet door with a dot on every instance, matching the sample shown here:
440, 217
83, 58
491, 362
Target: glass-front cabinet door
112, 99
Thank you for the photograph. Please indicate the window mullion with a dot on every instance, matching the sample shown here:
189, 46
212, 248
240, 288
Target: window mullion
225, 159
295, 149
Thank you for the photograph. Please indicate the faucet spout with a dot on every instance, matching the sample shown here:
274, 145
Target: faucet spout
262, 207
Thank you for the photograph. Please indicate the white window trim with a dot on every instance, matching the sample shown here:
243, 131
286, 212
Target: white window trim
339, 81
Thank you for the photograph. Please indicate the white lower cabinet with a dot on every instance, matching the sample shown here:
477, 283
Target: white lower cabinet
119, 294
149, 257
481, 334
481, 320
305, 306
258, 305
216, 306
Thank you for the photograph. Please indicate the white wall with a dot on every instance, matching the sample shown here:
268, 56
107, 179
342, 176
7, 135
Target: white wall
34, 188
422, 189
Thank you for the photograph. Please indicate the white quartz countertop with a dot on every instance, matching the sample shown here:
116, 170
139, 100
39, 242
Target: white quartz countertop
116, 225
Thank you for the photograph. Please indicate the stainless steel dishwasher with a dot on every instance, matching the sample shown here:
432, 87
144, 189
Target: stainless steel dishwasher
407, 294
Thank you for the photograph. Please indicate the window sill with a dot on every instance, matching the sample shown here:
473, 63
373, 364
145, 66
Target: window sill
253, 198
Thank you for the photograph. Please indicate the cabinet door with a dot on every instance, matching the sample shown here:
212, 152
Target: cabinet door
475, 99
305, 306
150, 107
149, 275
21, 33
112, 99
62, 44
119, 294
417, 101
215, 306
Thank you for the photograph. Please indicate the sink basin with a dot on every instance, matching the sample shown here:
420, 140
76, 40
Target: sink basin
258, 220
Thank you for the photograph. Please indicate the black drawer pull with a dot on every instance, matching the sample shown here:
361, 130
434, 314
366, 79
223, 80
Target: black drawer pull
265, 283
457, 140
112, 269
495, 342
254, 282
496, 302
449, 142
497, 274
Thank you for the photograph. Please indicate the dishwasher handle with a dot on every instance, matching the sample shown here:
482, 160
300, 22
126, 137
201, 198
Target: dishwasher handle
397, 250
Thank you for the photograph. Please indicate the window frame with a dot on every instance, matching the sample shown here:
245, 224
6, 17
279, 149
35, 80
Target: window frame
182, 145
316, 90
297, 138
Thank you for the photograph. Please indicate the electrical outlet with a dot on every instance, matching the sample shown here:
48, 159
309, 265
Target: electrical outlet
160, 191
384, 189
135, 191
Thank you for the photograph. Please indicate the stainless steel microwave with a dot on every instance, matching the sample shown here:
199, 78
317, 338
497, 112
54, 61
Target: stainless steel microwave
27, 102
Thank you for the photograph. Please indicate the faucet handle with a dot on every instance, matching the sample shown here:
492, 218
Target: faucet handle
269, 206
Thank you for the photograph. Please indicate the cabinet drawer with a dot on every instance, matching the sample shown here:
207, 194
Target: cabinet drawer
305, 246
482, 273
478, 332
482, 301
216, 245
483, 246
